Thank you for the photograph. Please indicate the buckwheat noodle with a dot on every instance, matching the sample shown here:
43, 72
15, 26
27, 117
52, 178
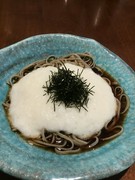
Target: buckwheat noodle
64, 143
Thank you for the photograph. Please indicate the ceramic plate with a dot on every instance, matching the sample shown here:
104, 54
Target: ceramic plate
27, 162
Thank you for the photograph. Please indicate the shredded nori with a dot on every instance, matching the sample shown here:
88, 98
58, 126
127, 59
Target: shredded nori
66, 87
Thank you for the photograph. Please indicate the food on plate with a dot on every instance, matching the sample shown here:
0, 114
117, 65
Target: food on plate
67, 103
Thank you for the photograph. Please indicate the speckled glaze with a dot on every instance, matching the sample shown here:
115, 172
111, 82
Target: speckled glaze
22, 160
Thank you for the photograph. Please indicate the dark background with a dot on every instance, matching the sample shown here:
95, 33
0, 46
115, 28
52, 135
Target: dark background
112, 23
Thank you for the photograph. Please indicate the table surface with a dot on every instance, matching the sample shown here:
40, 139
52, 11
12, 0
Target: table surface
112, 23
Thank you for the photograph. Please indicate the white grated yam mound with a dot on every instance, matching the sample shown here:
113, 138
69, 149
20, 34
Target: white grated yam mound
30, 113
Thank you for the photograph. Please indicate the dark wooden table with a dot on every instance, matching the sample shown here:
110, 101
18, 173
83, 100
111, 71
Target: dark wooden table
112, 23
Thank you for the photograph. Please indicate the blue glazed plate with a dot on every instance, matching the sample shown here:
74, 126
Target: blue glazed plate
22, 160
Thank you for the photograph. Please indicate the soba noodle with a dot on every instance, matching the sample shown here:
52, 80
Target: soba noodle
62, 142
